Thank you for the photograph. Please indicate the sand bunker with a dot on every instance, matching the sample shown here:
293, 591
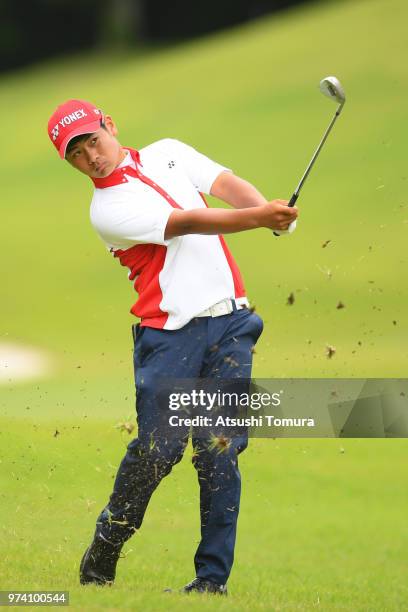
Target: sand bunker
20, 363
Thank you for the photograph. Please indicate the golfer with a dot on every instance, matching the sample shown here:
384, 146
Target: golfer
195, 320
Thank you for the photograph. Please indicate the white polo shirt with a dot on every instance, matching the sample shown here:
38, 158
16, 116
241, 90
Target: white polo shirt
176, 279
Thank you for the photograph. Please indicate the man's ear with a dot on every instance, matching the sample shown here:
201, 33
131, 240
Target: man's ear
110, 126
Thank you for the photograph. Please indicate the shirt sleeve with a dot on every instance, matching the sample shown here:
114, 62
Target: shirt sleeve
201, 170
122, 224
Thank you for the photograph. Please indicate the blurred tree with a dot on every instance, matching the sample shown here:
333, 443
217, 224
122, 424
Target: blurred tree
120, 23
31, 30
261, 7
178, 19
34, 29
169, 20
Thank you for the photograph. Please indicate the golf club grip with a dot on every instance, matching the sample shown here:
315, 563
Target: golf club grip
292, 202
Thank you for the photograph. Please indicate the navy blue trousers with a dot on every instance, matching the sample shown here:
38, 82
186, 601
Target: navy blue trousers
218, 348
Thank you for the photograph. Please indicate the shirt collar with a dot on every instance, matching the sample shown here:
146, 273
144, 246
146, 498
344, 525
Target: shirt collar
127, 161
117, 176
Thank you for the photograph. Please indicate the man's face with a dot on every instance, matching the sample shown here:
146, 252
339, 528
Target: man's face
99, 154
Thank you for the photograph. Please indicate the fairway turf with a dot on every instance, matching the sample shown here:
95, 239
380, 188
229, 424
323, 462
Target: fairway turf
322, 522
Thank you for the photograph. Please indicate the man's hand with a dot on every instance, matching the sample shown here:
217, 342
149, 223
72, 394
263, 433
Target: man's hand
276, 215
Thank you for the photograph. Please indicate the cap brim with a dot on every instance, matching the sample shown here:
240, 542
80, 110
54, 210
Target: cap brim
88, 128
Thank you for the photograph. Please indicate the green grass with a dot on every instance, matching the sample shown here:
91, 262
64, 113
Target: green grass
319, 528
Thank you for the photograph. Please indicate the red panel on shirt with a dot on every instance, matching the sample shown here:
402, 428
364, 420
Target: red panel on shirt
145, 262
236, 274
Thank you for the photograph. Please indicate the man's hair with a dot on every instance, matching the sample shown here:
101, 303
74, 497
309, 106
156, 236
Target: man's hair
79, 138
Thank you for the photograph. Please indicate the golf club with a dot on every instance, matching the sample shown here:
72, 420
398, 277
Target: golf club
332, 88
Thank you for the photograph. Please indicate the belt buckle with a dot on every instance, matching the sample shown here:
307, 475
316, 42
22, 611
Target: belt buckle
222, 308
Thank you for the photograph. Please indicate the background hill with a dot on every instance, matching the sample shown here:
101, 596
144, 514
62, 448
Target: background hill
249, 99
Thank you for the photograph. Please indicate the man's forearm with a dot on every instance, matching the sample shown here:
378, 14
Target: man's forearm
273, 215
210, 221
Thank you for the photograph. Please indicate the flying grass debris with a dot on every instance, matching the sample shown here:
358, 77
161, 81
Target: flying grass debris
219, 443
325, 271
233, 362
324, 245
126, 426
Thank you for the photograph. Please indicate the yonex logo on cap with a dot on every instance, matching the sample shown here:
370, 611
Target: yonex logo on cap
68, 119
55, 132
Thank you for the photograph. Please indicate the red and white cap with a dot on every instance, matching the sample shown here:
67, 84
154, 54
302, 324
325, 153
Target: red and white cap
73, 118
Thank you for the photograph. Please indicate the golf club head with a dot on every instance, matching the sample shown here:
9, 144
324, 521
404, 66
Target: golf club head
332, 88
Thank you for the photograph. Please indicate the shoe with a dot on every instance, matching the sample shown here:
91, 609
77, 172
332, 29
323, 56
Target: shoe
98, 565
201, 585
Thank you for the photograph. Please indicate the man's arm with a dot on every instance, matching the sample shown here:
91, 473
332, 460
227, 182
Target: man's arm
273, 215
236, 191
253, 211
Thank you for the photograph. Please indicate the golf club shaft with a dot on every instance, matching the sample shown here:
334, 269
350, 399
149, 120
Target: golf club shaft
295, 195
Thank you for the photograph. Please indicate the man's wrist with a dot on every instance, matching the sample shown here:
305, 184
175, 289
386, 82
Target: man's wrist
256, 216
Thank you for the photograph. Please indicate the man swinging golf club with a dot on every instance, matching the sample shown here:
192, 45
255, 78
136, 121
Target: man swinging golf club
149, 210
